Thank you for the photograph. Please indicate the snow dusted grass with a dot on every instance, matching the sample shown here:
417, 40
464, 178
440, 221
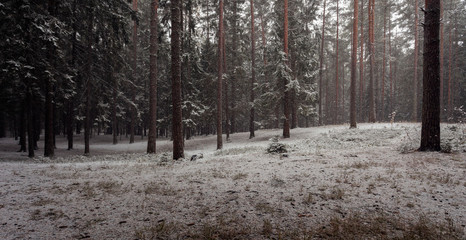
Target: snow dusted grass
334, 183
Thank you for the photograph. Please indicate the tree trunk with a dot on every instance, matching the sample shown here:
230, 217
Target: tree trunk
384, 61
132, 125
49, 147
286, 102
337, 87
416, 53
70, 102
23, 126
220, 78
322, 65
235, 65
390, 60
361, 65
30, 123
227, 110
430, 134
450, 67
253, 73
151, 140
177, 124
88, 121
354, 59
371, 62
441, 58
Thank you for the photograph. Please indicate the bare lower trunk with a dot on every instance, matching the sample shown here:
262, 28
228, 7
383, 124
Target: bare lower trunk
220, 79
177, 124
253, 73
151, 140
354, 60
430, 134
286, 92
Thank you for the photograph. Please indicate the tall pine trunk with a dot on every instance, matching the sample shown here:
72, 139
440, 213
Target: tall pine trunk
361, 66
441, 58
430, 134
225, 90
354, 59
220, 77
416, 53
337, 85
177, 124
235, 65
132, 125
321, 66
49, 147
286, 99
450, 67
151, 140
371, 62
384, 61
88, 121
253, 73
390, 62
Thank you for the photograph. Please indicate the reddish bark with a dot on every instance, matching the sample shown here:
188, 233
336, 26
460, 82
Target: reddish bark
286, 107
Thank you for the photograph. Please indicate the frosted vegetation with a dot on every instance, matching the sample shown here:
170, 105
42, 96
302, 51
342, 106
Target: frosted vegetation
327, 182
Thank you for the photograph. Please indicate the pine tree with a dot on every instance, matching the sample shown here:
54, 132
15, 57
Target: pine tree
416, 53
354, 56
151, 143
337, 85
177, 124
371, 61
220, 77
286, 102
253, 73
430, 133
322, 44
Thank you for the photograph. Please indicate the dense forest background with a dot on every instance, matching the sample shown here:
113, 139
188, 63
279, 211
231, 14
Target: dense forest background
65, 65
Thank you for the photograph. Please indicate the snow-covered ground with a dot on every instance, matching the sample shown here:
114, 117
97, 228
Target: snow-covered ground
333, 183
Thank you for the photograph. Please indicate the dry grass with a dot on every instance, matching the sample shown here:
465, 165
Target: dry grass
352, 227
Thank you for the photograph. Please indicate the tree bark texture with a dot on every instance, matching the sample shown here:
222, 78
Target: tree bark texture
220, 78
416, 57
151, 140
430, 134
441, 58
354, 59
49, 147
361, 65
337, 86
371, 62
286, 99
322, 65
88, 121
384, 61
134, 67
177, 124
253, 74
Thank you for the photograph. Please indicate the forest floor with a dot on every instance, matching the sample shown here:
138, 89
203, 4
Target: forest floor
333, 183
